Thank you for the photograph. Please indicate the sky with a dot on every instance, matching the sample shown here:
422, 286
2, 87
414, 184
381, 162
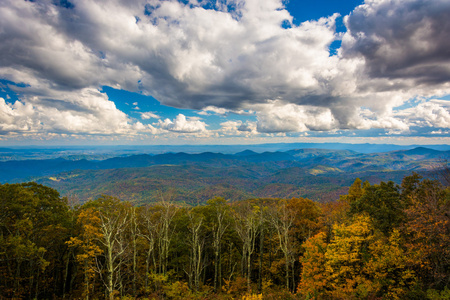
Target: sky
153, 72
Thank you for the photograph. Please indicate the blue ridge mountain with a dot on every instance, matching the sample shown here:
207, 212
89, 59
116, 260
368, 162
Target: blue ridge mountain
320, 174
419, 158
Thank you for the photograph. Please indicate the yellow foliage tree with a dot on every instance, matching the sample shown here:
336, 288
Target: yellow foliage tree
346, 256
362, 262
87, 245
389, 268
314, 277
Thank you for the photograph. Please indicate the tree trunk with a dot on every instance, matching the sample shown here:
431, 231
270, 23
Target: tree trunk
216, 269
287, 272
248, 271
261, 253
110, 268
66, 274
220, 271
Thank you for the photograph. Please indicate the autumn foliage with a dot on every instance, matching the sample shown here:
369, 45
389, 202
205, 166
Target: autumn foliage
380, 241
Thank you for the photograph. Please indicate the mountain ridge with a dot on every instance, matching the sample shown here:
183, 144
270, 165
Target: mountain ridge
418, 158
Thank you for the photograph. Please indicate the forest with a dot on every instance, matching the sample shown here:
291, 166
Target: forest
378, 241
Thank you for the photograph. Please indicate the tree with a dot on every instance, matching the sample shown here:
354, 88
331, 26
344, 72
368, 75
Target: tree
354, 192
362, 262
164, 231
247, 222
148, 233
282, 219
196, 242
86, 244
314, 276
219, 224
346, 256
306, 224
383, 204
33, 229
134, 234
389, 268
113, 218
427, 232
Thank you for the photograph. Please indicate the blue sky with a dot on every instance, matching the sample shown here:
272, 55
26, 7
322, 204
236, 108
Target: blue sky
224, 72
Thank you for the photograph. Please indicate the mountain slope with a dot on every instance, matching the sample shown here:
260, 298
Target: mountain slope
194, 178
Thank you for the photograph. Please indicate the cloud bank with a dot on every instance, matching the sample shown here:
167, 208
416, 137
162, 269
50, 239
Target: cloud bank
183, 125
223, 56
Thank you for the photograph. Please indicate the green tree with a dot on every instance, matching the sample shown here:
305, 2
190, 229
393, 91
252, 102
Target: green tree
33, 229
383, 203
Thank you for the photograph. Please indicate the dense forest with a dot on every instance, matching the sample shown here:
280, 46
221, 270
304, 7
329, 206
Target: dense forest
381, 241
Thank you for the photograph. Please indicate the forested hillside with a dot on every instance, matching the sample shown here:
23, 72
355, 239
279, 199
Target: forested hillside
319, 174
378, 241
195, 184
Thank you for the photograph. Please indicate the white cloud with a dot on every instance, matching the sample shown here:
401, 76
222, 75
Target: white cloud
139, 127
428, 114
223, 61
248, 127
216, 110
281, 117
205, 57
440, 131
16, 117
402, 40
87, 111
237, 128
149, 115
183, 124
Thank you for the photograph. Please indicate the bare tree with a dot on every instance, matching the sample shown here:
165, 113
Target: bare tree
247, 223
196, 242
113, 223
282, 219
148, 233
219, 226
134, 233
164, 232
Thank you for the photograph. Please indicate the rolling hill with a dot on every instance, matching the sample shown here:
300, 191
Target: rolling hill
319, 174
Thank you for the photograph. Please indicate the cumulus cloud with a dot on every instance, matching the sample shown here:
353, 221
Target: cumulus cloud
434, 113
217, 110
16, 117
399, 39
223, 111
209, 57
87, 111
149, 115
183, 124
281, 117
248, 127
440, 132
237, 128
233, 58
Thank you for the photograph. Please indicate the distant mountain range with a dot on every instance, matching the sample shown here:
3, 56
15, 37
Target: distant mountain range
105, 152
419, 158
320, 174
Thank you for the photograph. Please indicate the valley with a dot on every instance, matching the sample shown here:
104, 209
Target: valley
193, 178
